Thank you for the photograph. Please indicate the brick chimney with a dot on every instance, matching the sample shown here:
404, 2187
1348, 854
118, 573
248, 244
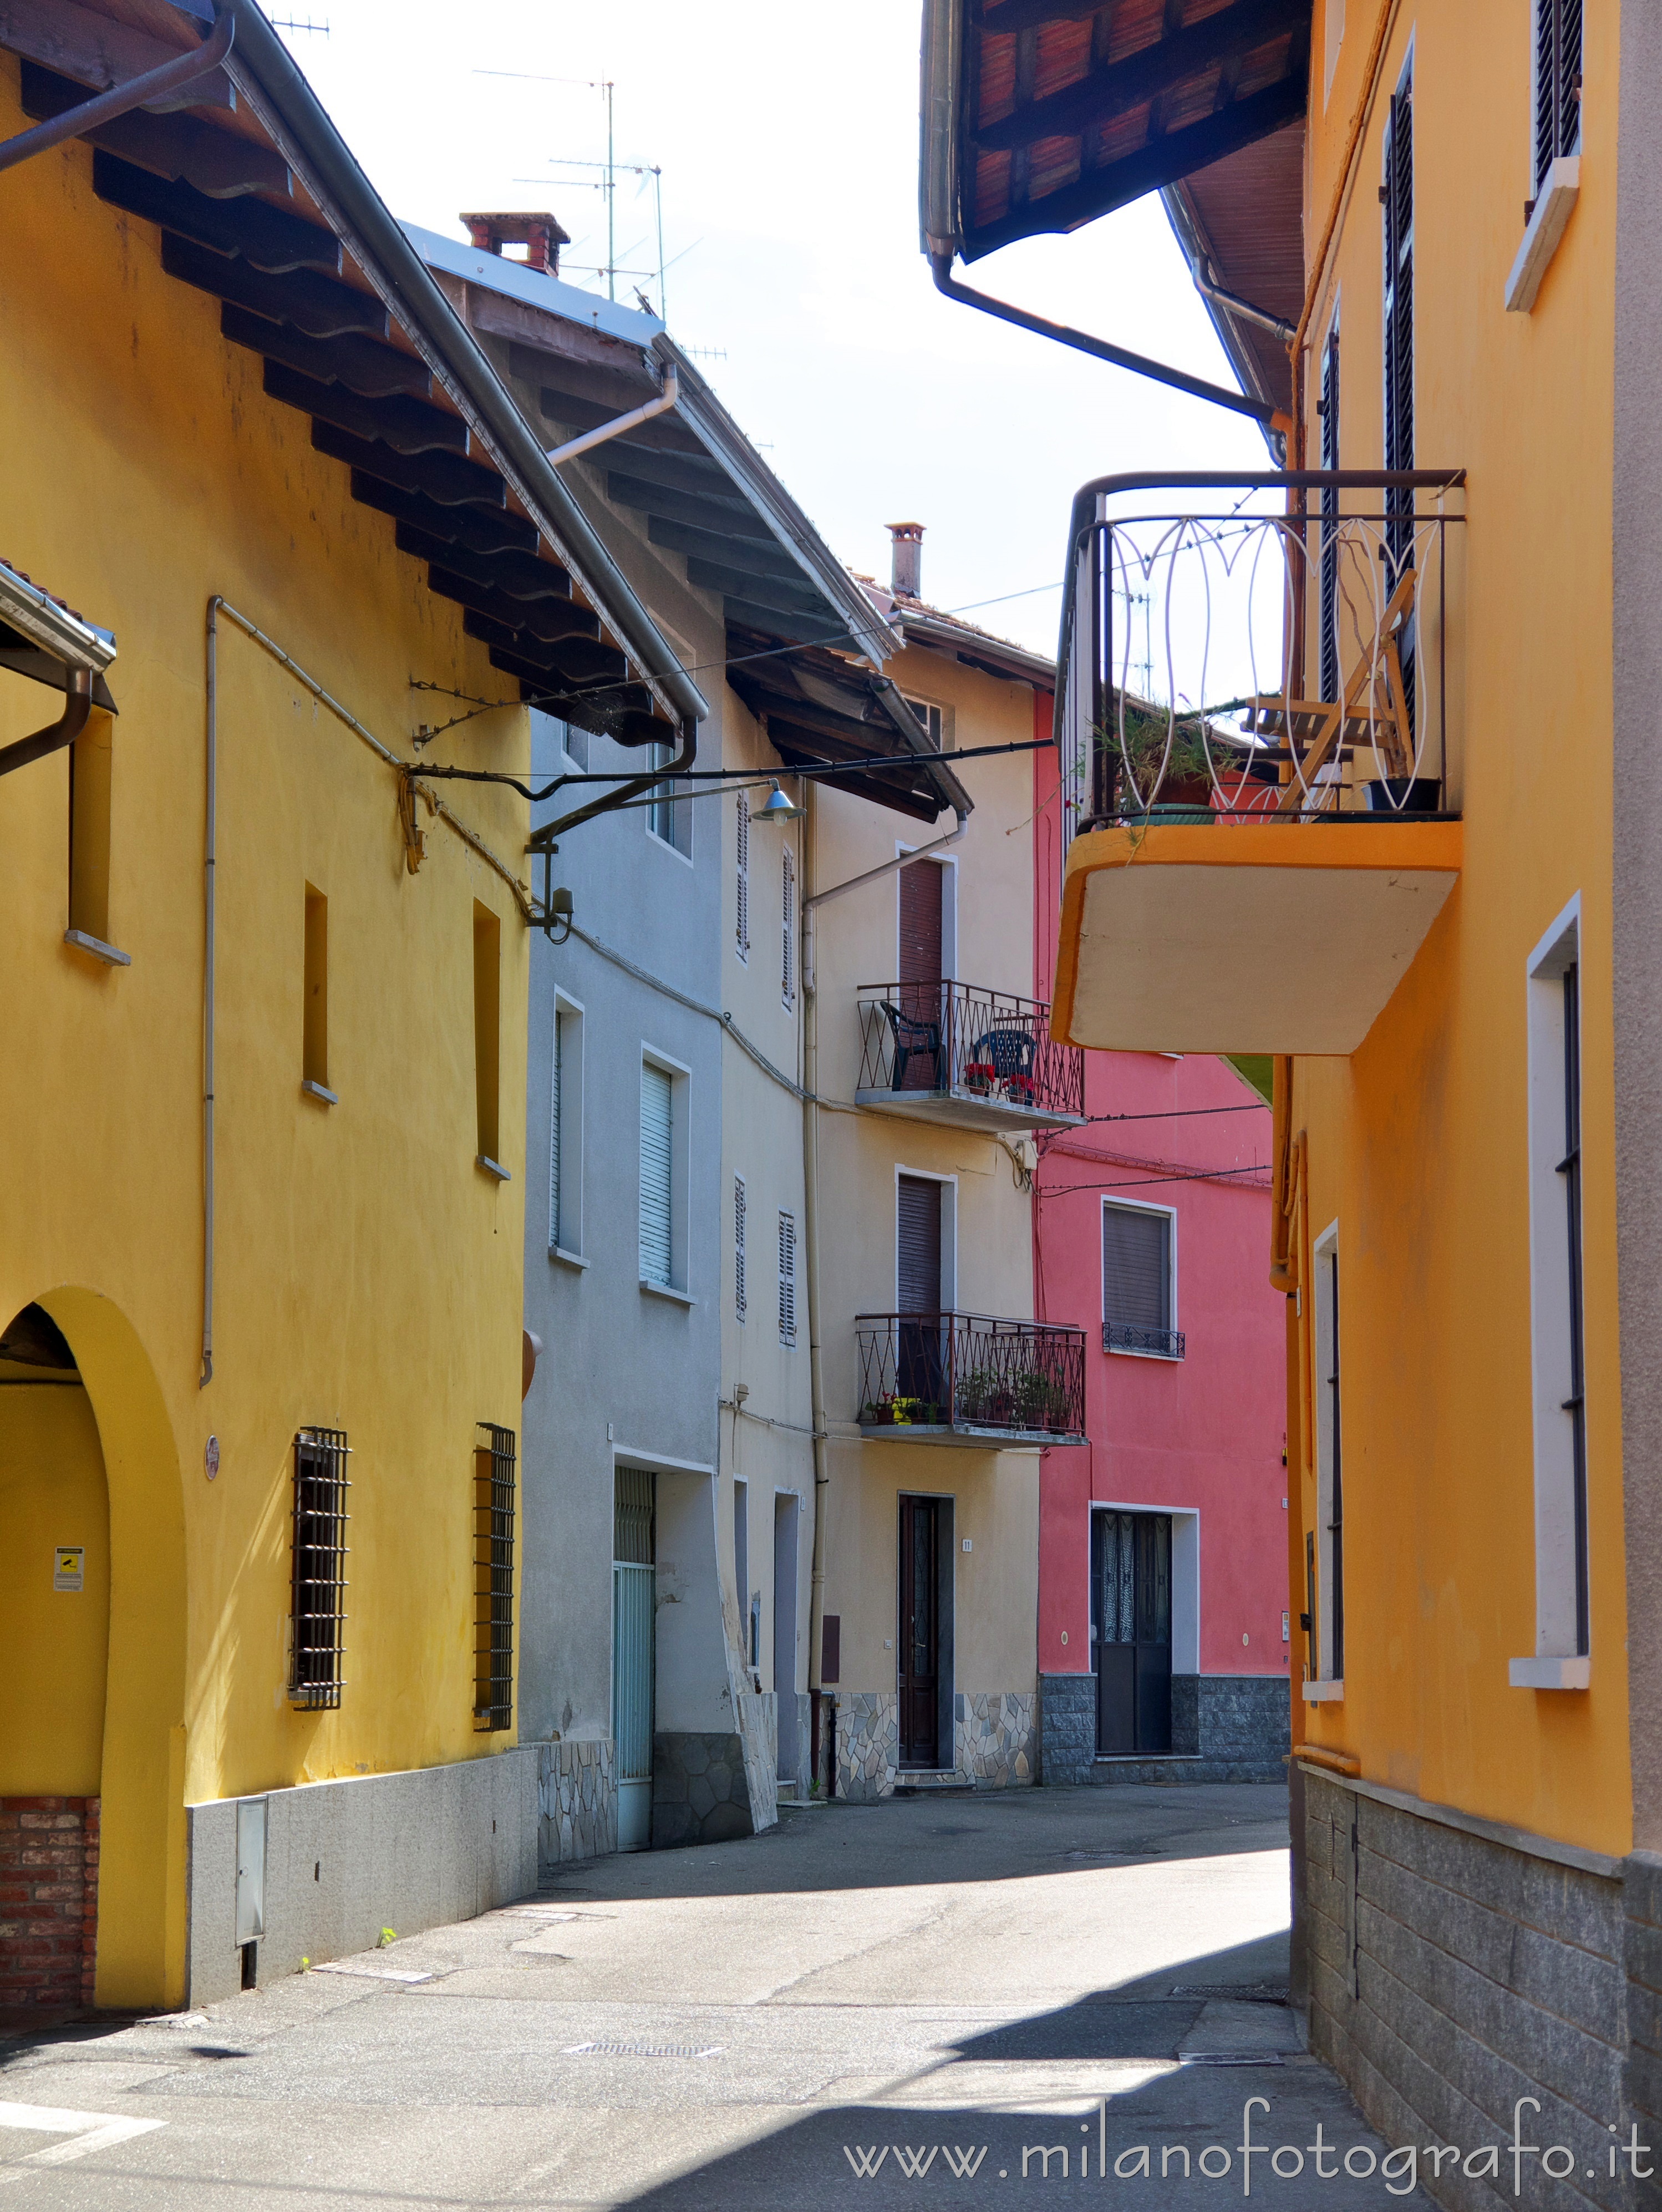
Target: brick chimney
906, 558
540, 235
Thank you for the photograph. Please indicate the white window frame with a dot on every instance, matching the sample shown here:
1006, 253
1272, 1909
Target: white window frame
949, 1235
566, 1128
947, 864
1555, 1663
1138, 1206
1327, 1296
741, 1208
935, 718
742, 880
788, 1324
680, 1170
662, 755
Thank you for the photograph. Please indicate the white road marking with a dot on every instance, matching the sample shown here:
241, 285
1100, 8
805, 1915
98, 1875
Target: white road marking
87, 2131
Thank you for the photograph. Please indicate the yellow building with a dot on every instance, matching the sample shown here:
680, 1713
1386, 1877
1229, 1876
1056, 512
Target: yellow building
1415, 861
262, 1098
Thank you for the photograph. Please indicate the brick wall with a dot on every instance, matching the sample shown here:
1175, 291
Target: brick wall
48, 1903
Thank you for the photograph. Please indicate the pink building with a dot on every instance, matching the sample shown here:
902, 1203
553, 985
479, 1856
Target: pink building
1163, 1640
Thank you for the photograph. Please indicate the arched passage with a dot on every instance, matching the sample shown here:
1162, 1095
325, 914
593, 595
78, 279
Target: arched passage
102, 1456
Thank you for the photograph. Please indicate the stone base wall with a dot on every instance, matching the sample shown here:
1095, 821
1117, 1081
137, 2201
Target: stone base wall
868, 1744
709, 1789
345, 1859
1225, 1727
48, 1904
1067, 1728
1242, 1716
1449, 1974
996, 1738
576, 1800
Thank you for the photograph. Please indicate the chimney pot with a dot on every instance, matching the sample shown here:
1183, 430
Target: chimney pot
539, 234
905, 568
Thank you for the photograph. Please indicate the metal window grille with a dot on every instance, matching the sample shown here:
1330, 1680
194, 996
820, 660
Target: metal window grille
742, 925
787, 1277
1329, 501
494, 1486
739, 1247
1557, 83
788, 936
1575, 1405
318, 1585
1398, 192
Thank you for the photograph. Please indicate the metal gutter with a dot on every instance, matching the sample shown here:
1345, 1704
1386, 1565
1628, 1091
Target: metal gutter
947, 637
265, 74
915, 737
167, 78
38, 616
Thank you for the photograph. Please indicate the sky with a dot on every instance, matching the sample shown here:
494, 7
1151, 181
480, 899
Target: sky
787, 140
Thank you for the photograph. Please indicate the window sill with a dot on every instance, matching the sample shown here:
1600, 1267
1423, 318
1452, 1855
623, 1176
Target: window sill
567, 1259
1323, 1694
1132, 1352
310, 1089
492, 1168
1548, 1674
97, 947
1553, 208
664, 1290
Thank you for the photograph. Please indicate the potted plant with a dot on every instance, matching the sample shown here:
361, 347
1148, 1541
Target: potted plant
1171, 769
974, 1393
980, 1076
905, 1412
879, 1414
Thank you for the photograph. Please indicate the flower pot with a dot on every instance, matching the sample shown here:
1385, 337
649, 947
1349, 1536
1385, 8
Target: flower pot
1404, 794
879, 1417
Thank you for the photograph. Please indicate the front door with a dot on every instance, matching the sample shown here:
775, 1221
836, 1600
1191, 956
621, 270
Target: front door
634, 1611
1132, 1630
919, 1669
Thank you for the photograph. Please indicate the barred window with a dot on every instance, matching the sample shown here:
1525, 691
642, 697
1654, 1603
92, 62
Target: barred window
1557, 83
493, 1577
787, 1277
788, 957
742, 924
318, 1585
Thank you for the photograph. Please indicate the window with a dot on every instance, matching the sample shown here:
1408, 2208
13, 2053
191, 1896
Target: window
1562, 1623
788, 930
1329, 506
665, 1160
487, 1032
566, 1132
670, 818
933, 718
1139, 1281
787, 1279
742, 885
493, 1577
738, 1248
1327, 1594
576, 743
1557, 83
314, 1040
318, 1570
91, 759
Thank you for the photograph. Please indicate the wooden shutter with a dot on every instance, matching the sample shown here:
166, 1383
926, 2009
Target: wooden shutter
787, 1277
920, 923
555, 1135
788, 945
918, 1239
657, 1123
1329, 501
1557, 83
739, 1247
1136, 1268
742, 927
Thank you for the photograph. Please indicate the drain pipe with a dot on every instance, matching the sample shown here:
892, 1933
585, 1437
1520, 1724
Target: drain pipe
603, 431
810, 1206
209, 841
1233, 304
77, 705
159, 83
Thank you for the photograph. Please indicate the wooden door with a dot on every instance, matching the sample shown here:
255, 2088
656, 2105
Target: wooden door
920, 958
1131, 1631
919, 1653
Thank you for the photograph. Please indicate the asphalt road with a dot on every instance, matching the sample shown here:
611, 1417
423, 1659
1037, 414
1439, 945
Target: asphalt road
953, 2002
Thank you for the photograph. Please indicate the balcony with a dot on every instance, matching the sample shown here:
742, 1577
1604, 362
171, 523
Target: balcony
1256, 875
966, 1379
979, 1059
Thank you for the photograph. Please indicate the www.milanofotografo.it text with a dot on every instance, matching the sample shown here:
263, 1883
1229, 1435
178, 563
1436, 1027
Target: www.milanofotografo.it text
1256, 2158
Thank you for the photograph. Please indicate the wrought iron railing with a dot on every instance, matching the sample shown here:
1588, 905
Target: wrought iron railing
970, 1371
958, 1041
1131, 1336
1228, 663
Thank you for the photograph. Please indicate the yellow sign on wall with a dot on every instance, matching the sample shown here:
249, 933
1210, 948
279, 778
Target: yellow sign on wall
69, 1567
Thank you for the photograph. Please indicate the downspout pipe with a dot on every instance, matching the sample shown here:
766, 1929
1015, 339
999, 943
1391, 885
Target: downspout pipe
209, 855
604, 431
545, 839
1238, 402
121, 98
77, 705
1233, 304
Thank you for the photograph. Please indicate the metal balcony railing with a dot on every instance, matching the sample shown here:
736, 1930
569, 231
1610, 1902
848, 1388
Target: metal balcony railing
969, 1371
1220, 664
1131, 1336
957, 1041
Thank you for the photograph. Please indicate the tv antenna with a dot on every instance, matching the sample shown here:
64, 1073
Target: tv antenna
294, 23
